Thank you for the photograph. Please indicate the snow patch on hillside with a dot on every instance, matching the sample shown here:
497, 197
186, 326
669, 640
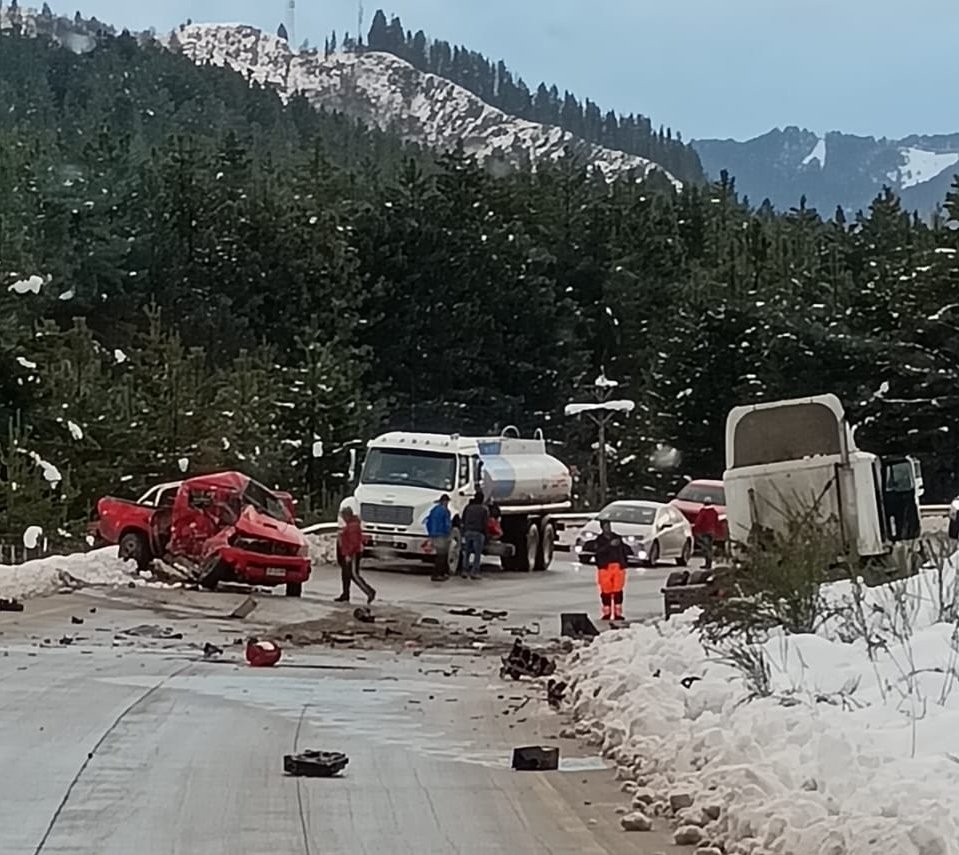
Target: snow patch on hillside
818, 153
384, 91
922, 165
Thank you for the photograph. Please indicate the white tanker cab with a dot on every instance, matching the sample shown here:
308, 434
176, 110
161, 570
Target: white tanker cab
404, 475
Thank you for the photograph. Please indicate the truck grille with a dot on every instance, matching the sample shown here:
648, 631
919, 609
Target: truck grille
386, 514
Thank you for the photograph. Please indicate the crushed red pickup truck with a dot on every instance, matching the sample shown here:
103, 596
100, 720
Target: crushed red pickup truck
226, 525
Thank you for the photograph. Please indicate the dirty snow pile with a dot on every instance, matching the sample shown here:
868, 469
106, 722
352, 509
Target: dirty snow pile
56, 573
839, 754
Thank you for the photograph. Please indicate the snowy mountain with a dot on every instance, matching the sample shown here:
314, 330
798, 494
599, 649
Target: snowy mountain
383, 90
836, 169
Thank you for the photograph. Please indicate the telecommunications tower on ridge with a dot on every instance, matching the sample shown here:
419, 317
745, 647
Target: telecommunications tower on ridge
291, 22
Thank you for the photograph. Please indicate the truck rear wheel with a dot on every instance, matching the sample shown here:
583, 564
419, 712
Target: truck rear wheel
216, 572
547, 544
533, 553
523, 536
133, 546
294, 589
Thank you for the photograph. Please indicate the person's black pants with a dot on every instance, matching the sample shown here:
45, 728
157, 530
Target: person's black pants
350, 574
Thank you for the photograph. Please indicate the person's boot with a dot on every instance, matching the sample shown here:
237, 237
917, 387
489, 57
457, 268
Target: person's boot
617, 612
607, 613
342, 598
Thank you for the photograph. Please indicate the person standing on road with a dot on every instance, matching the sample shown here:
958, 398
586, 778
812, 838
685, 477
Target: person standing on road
475, 524
707, 529
611, 561
439, 525
349, 551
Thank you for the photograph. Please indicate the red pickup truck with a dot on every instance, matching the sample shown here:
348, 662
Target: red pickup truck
230, 527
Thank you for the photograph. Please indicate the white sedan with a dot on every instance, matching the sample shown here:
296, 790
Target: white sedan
652, 531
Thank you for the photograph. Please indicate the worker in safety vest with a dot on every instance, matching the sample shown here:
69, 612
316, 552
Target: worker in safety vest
611, 560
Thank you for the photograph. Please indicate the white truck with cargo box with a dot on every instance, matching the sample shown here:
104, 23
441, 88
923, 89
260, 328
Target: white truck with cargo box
404, 474
800, 457
784, 457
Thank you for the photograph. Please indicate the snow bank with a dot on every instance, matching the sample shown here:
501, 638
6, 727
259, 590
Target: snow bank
45, 576
847, 755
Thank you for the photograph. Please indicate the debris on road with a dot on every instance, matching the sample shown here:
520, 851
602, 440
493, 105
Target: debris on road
363, 614
76, 620
244, 609
523, 661
11, 605
66, 640
536, 758
577, 625
555, 690
262, 654
211, 650
533, 628
315, 764
152, 630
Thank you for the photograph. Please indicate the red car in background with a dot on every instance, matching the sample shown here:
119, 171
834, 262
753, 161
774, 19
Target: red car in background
689, 501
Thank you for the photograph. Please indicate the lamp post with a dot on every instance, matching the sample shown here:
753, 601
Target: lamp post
600, 412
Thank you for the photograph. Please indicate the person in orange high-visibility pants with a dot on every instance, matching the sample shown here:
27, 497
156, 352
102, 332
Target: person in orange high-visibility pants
611, 560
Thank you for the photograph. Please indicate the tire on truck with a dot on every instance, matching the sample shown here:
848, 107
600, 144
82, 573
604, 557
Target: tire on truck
524, 536
134, 546
547, 544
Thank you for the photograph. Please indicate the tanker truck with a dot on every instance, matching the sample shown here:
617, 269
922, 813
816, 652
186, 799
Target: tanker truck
404, 475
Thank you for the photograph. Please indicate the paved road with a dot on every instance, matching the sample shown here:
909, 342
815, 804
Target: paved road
117, 747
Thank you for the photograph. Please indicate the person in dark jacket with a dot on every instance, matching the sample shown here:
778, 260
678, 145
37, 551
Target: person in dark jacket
349, 551
611, 561
439, 526
475, 521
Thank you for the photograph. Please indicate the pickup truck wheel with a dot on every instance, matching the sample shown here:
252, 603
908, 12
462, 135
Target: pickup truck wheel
294, 589
217, 573
133, 546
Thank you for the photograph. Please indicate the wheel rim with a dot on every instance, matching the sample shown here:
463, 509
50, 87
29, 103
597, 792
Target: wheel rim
548, 541
129, 548
532, 547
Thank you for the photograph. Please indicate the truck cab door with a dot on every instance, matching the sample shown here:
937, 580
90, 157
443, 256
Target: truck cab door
900, 499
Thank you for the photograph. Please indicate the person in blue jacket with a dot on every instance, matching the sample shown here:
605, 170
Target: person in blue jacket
439, 524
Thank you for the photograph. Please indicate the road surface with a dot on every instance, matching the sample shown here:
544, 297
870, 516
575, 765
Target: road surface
117, 743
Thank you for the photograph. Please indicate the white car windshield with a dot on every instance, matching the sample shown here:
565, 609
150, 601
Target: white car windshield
408, 468
632, 514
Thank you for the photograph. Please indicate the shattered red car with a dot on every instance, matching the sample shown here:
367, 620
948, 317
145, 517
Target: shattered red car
689, 501
226, 525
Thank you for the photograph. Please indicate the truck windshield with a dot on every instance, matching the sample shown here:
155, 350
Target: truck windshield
408, 468
264, 501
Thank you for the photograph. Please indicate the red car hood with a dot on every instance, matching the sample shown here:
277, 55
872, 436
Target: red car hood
254, 524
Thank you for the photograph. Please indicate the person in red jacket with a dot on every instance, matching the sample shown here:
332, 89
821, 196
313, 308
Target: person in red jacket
707, 529
349, 551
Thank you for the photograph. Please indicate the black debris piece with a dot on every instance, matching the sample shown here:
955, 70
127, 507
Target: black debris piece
363, 614
536, 758
490, 615
11, 605
211, 650
577, 625
76, 620
687, 682
523, 661
66, 640
315, 764
555, 689
467, 612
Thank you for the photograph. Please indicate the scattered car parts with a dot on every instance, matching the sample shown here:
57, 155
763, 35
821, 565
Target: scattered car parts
315, 764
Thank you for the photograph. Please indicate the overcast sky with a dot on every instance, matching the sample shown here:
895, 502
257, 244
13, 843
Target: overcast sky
709, 68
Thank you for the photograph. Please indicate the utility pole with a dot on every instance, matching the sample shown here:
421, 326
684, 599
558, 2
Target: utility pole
601, 412
291, 22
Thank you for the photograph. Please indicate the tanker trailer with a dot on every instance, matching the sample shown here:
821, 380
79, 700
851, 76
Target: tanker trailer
404, 474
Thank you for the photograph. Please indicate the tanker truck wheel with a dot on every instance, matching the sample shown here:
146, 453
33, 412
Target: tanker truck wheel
544, 557
533, 554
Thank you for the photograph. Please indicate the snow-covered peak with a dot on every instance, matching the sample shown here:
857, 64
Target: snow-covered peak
385, 91
818, 154
921, 165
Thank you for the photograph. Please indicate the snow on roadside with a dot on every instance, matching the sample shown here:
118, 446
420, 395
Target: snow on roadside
846, 757
44, 576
